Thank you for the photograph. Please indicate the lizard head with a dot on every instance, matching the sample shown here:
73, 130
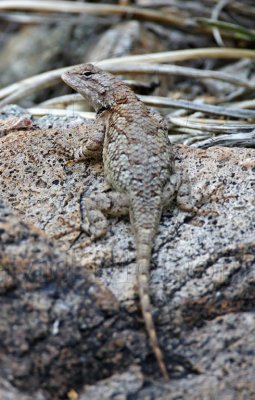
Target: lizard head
99, 87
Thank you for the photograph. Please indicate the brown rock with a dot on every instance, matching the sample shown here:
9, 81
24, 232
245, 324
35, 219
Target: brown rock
203, 286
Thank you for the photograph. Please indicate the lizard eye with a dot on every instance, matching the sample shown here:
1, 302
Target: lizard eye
87, 73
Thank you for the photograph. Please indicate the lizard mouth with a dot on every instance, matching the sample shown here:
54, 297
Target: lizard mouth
70, 82
64, 76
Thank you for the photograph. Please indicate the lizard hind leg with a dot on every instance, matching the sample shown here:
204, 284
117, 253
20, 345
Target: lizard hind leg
170, 192
94, 210
178, 192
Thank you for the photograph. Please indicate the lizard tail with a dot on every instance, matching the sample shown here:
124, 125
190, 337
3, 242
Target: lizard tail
143, 262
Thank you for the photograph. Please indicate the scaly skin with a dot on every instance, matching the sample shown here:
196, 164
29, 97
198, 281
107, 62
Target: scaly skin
137, 162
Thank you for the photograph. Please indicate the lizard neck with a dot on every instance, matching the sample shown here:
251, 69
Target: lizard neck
124, 95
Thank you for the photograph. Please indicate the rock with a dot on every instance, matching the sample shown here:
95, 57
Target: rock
202, 277
118, 386
13, 110
228, 383
44, 47
59, 327
8, 392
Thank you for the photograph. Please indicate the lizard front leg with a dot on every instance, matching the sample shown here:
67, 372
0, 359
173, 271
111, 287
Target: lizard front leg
81, 143
91, 146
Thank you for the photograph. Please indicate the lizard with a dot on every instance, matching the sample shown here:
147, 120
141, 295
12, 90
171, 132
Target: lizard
138, 165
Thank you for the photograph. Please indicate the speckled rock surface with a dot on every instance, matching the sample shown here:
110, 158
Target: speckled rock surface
8, 392
59, 326
231, 383
203, 266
